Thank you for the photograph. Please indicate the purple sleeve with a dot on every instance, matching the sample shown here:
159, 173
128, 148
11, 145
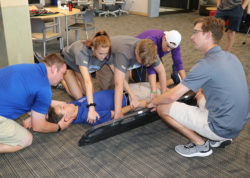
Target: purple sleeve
176, 55
151, 70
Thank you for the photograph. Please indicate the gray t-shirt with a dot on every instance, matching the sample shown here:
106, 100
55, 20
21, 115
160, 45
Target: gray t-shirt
229, 4
77, 54
222, 78
123, 53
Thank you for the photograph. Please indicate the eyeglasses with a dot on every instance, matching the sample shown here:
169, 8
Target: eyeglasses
196, 31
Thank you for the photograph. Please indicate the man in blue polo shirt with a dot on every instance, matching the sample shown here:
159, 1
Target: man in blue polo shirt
222, 95
26, 88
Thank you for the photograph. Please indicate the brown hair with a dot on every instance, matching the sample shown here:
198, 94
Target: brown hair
54, 59
53, 116
100, 39
212, 24
147, 51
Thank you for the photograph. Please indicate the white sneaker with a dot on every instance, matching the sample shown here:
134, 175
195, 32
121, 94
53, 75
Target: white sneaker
192, 150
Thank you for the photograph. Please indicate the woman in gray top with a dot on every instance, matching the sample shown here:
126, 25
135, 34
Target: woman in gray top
83, 58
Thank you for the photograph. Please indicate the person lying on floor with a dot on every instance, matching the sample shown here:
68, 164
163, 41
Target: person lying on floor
78, 110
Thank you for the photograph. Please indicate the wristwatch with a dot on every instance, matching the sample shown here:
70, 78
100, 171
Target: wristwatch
59, 128
91, 104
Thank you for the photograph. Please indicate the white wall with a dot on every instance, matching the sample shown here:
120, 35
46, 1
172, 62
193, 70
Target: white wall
139, 7
15, 33
208, 2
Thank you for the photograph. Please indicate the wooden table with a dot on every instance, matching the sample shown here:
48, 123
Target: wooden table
65, 13
211, 8
62, 13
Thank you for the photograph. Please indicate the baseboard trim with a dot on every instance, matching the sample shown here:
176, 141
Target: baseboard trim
138, 13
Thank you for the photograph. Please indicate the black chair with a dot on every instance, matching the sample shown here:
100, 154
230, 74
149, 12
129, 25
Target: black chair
82, 4
247, 23
121, 4
108, 5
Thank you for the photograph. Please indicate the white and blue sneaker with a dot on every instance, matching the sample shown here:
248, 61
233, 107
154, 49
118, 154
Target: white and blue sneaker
192, 150
220, 144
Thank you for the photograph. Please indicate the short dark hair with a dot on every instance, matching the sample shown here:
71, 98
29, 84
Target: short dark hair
54, 59
53, 117
212, 24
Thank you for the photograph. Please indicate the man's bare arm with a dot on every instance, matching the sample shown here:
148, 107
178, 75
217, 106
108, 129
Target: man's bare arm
119, 78
40, 124
171, 95
126, 109
152, 82
162, 77
182, 73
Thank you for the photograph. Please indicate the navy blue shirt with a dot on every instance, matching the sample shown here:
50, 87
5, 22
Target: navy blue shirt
104, 104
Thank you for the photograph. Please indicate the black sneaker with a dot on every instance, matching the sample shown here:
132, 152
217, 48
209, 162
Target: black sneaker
191, 150
93, 74
175, 76
220, 144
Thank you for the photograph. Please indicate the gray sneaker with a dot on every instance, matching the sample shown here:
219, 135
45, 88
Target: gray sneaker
191, 150
60, 86
220, 144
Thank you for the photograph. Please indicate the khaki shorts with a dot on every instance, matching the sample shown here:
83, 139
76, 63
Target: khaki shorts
12, 133
142, 90
194, 118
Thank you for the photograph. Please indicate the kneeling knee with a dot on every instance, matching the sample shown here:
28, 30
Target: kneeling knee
28, 140
159, 110
163, 110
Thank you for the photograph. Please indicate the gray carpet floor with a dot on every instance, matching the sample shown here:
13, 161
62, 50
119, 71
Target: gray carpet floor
146, 151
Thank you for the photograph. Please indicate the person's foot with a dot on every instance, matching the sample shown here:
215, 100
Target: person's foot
220, 144
60, 86
192, 150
